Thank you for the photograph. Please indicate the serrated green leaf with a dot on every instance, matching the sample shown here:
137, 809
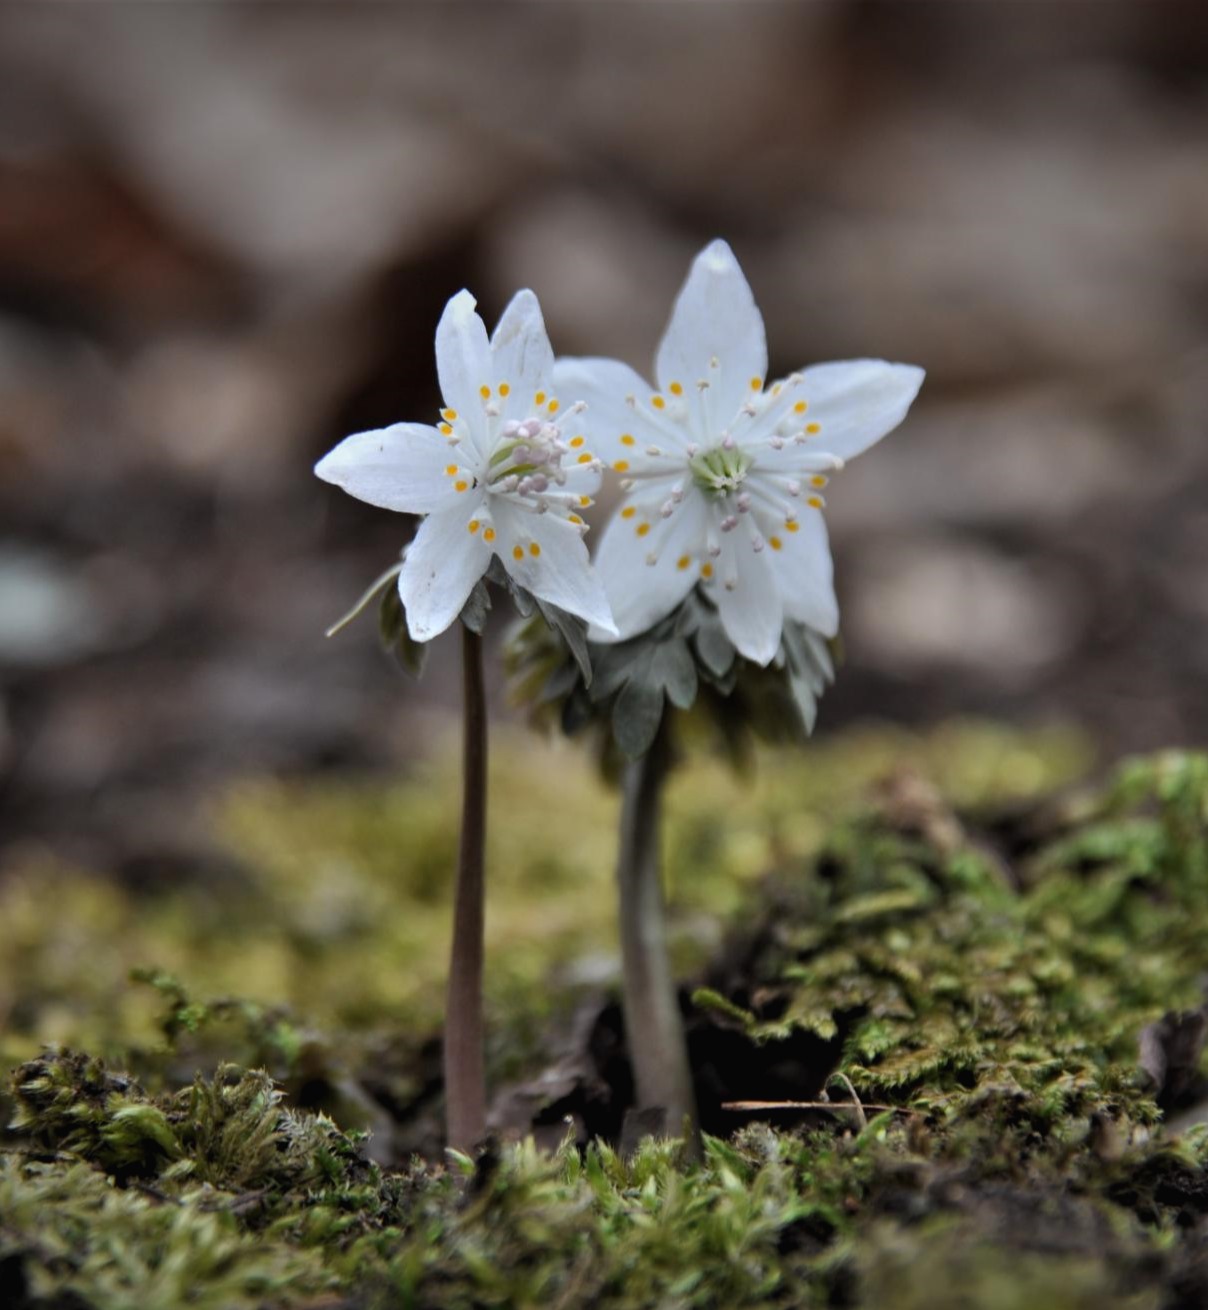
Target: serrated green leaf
573, 631
409, 654
478, 605
673, 667
636, 716
713, 648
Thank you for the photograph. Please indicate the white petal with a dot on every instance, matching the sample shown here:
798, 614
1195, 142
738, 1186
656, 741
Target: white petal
805, 573
751, 612
402, 467
440, 569
642, 593
521, 356
560, 570
463, 357
857, 402
715, 318
604, 385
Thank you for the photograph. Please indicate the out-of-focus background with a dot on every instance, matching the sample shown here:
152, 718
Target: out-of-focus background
226, 233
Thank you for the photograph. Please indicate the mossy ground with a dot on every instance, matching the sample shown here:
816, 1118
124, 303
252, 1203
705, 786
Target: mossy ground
978, 958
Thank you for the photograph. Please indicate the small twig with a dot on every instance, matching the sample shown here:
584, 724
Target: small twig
858, 1106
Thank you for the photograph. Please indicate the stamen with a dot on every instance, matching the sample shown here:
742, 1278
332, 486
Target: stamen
489, 535
642, 529
534, 549
517, 552
683, 562
448, 414
627, 439
622, 466
504, 389
676, 389
484, 391
658, 402
628, 512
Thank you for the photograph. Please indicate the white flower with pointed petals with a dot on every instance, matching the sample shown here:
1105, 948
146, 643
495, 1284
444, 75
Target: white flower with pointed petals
724, 473
505, 472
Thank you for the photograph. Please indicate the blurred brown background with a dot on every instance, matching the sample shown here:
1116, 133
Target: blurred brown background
226, 233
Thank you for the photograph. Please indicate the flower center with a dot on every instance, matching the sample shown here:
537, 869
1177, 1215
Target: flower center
528, 457
720, 469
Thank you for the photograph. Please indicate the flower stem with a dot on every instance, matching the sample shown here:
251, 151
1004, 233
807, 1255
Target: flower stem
465, 1080
658, 1047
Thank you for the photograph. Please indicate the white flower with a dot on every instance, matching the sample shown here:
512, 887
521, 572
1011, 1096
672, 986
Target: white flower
505, 472
723, 473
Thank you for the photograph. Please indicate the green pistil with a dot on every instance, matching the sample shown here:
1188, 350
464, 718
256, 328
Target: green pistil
720, 470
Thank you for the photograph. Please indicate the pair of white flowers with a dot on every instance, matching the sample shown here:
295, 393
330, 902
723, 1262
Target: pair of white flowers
721, 472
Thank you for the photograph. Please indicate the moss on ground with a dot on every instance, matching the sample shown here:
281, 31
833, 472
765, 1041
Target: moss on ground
986, 972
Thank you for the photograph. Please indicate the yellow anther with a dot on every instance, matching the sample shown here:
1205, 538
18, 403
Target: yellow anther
534, 549
800, 407
791, 525
706, 570
489, 535
504, 389
585, 458
472, 526
621, 466
628, 512
451, 469
813, 427
484, 391
576, 442
539, 398
775, 543
683, 562
776, 389
818, 480
658, 402
642, 529
575, 519
584, 501
676, 389
553, 406
757, 384
517, 552
626, 439
446, 430
449, 414
461, 485
815, 502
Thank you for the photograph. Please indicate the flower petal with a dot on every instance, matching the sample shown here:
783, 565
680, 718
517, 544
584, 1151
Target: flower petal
857, 402
605, 385
440, 569
521, 356
804, 573
463, 356
639, 592
751, 611
715, 318
402, 467
546, 555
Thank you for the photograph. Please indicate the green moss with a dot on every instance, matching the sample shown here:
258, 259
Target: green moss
985, 972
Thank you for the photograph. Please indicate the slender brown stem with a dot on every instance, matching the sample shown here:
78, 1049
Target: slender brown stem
465, 1079
654, 1026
